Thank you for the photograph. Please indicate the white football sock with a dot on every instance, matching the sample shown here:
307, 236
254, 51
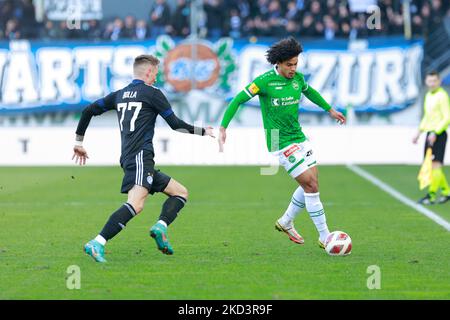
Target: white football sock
295, 206
100, 240
315, 209
163, 223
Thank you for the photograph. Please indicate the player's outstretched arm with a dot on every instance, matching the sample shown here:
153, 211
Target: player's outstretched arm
317, 99
162, 105
421, 129
97, 108
222, 137
338, 116
209, 131
416, 136
232, 108
80, 155
177, 124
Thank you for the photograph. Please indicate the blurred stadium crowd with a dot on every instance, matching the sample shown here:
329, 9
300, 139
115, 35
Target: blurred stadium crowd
327, 19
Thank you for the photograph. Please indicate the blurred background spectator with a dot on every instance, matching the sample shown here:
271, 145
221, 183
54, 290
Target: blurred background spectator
215, 18
327, 19
129, 29
160, 18
180, 19
141, 30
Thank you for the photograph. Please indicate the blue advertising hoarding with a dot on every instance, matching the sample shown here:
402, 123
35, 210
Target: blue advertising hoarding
378, 75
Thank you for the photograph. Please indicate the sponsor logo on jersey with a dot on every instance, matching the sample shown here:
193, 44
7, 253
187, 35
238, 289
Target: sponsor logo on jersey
291, 150
253, 88
276, 83
149, 179
284, 101
295, 85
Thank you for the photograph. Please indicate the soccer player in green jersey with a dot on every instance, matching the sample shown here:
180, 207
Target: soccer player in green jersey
279, 91
435, 121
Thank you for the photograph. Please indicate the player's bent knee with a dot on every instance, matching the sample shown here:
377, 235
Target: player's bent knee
183, 192
174, 188
311, 187
138, 206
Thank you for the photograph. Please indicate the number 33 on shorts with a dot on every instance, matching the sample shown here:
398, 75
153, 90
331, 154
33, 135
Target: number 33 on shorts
296, 158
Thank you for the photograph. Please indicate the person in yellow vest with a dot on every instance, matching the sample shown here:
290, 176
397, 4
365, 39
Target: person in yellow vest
435, 121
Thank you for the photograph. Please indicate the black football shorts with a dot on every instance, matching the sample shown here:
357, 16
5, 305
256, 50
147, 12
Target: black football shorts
140, 170
438, 147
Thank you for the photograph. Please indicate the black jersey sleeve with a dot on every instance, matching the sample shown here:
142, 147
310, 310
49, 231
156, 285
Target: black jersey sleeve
160, 103
164, 109
177, 124
94, 109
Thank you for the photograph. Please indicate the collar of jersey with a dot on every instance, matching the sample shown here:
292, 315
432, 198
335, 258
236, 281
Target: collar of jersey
276, 70
137, 81
278, 74
436, 90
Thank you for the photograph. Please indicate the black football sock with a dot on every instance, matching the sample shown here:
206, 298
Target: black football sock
117, 221
171, 208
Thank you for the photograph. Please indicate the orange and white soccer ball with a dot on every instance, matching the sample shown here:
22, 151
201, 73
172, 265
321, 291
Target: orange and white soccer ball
338, 243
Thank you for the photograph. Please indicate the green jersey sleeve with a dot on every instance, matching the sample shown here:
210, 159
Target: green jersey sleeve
251, 90
255, 88
305, 85
436, 116
314, 96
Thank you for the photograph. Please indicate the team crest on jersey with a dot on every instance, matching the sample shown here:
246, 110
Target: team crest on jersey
149, 179
291, 159
253, 88
295, 85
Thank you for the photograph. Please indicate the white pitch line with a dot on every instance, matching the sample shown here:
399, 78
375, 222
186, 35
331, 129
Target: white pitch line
394, 193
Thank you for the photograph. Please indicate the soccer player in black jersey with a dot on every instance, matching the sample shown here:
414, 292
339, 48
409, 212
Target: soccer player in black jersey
137, 106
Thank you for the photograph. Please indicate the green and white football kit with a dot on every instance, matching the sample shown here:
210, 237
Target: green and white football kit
279, 98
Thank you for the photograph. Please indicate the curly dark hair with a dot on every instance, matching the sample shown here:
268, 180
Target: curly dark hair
284, 50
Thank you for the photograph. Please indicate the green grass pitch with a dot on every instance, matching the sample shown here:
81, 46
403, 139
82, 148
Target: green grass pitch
225, 243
